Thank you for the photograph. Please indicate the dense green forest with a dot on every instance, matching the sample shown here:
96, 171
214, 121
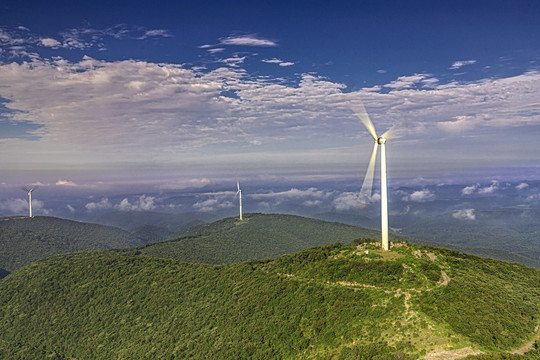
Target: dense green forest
24, 240
258, 236
330, 302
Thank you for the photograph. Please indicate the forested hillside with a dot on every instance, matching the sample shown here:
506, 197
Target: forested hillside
258, 236
24, 240
152, 226
330, 302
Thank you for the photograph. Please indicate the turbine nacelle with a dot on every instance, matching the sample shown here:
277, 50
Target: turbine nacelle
381, 140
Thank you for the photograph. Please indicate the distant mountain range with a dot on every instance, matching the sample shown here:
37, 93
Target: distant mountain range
331, 302
24, 240
153, 226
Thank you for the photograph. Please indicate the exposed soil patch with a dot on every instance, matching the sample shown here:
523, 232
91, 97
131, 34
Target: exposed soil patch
451, 354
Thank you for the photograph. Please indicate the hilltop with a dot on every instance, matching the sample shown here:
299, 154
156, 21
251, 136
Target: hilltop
258, 236
331, 302
24, 240
150, 225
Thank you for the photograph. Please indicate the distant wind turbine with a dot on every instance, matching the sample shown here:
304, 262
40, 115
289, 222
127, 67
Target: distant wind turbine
365, 192
30, 198
239, 194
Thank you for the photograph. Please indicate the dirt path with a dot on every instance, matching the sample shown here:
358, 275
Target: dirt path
528, 346
451, 354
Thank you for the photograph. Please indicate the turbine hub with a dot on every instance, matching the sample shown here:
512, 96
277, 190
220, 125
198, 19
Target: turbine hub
381, 140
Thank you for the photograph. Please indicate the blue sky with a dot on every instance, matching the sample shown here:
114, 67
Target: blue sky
178, 92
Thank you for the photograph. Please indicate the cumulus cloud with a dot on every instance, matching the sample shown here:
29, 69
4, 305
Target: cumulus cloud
101, 205
142, 203
20, 206
206, 205
489, 189
464, 214
522, 186
61, 182
353, 200
312, 203
420, 196
50, 42
468, 190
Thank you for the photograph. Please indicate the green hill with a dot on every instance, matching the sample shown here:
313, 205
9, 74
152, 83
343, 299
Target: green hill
258, 236
331, 302
24, 240
152, 226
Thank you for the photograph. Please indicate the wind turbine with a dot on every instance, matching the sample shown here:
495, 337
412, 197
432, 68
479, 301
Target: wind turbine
30, 198
365, 192
239, 194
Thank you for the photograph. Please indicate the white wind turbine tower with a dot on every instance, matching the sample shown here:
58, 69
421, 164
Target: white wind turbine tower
239, 194
365, 192
30, 198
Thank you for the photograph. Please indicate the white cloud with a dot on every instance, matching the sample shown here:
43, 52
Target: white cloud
293, 193
420, 196
49, 42
154, 33
278, 62
469, 190
464, 214
70, 208
247, 40
234, 61
312, 203
489, 189
142, 203
171, 112
20, 206
405, 82
459, 64
65, 183
353, 200
206, 205
16, 206
522, 186
216, 50
101, 205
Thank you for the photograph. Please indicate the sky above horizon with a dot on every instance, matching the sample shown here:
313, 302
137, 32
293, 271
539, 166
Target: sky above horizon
94, 92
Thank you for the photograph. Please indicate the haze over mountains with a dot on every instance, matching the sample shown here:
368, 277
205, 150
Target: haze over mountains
493, 214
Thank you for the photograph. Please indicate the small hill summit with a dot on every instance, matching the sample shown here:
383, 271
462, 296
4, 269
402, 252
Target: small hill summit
327, 302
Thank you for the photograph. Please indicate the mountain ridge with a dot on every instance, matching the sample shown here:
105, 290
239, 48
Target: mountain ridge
331, 302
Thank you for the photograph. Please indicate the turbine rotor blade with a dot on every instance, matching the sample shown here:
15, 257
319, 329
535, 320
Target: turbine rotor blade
396, 131
365, 192
361, 112
25, 189
238, 185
